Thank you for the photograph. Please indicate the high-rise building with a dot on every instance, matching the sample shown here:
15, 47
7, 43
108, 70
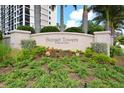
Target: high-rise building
36, 16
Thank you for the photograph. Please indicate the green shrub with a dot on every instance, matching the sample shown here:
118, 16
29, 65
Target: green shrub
26, 28
102, 58
22, 64
6, 62
49, 29
28, 44
120, 39
4, 50
55, 65
34, 73
89, 52
38, 50
97, 83
1, 36
73, 29
82, 72
16, 83
33, 64
99, 47
115, 51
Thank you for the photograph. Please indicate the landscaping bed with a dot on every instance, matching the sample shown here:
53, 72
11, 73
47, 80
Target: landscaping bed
53, 68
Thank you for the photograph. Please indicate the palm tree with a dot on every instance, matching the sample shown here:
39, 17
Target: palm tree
111, 16
85, 19
62, 26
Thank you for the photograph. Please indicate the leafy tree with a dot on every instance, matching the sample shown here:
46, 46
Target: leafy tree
120, 39
111, 16
93, 27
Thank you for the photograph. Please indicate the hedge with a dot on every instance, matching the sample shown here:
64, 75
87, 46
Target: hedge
49, 29
26, 28
73, 29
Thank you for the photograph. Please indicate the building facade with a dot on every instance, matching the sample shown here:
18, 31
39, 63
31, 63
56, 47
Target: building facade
36, 16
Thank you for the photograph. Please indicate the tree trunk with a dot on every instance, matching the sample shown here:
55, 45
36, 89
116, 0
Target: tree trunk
107, 20
112, 30
85, 19
62, 18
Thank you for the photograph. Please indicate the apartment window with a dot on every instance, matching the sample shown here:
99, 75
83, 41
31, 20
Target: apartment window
27, 23
14, 26
19, 6
15, 20
15, 7
28, 6
21, 18
17, 12
27, 11
21, 23
49, 17
27, 18
21, 11
49, 23
49, 12
14, 14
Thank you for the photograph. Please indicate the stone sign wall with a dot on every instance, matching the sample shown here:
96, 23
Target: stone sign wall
61, 40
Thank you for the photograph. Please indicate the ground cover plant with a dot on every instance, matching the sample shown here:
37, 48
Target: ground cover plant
54, 68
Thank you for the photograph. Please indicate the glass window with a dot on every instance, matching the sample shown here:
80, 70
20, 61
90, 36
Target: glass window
27, 11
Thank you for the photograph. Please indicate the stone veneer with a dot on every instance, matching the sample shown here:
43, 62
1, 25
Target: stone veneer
61, 40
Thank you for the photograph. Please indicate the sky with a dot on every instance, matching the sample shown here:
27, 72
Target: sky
73, 17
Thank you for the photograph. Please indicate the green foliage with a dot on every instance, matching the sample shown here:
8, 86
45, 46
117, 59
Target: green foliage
26, 54
28, 44
82, 72
102, 58
93, 27
89, 53
99, 47
34, 73
49, 29
97, 83
64, 72
57, 79
4, 50
116, 51
6, 62
26, 28
55, 65
38, 50
33, 64
119, 69
22, 64
1, 36
73, 29
18, 83
120, 39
